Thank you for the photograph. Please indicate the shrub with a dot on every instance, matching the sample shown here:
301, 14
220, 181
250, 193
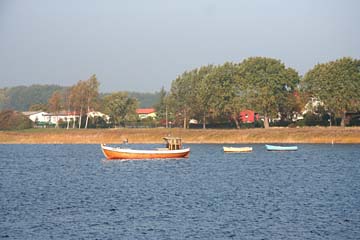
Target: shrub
12, 120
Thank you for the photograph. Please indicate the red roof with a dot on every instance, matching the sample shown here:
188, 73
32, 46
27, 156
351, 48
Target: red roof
145, 110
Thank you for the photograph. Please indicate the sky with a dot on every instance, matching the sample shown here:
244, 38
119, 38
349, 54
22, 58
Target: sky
142, 45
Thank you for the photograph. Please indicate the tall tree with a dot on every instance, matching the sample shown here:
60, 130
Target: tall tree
68, 105
161, 106
268, 84
55, 104
120, 107
203, 93
336, 84
226, 98
182, 93
92, 93
78, 99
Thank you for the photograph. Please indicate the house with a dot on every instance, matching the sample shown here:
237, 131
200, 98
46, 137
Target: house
312, 106
94, 114
38, 116
63, 116
144, 113
248, 116
44, 118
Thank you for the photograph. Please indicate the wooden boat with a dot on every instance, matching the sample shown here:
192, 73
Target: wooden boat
281, 148
237, 149
173, 150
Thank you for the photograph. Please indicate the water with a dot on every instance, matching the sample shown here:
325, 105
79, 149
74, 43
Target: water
72, 192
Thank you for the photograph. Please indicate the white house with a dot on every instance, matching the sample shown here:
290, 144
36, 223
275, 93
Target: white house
37, 116
44, 118
144, 113
99, 114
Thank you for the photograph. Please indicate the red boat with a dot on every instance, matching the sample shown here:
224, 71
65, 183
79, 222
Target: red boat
173, 150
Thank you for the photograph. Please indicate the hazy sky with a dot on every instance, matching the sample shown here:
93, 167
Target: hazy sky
141, 46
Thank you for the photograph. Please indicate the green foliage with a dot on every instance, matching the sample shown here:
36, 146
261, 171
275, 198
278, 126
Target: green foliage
146, 100
225, 96
120, 107
39, 107
311, 119
12, 120
21, 97
268, 85
161, 105
336, 84
262, 84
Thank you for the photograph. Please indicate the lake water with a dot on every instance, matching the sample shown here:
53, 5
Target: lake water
72, 192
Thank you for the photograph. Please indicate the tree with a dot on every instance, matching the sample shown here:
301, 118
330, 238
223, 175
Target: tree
39, 107
203, 93
267, 85
161, 106
22, 97
92, 93
182, 94
336, 84
12, 120
78, 99
225, 94
55, 103
120, 107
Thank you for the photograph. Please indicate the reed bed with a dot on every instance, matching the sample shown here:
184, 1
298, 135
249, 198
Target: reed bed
117, 136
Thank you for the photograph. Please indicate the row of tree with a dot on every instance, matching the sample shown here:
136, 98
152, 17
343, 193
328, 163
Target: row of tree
216, 93
264, 85
84, 97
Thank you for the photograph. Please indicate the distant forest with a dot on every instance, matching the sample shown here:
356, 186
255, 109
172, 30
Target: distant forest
20, 98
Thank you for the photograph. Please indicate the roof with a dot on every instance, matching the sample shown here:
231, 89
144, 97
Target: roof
145, 110
29, 113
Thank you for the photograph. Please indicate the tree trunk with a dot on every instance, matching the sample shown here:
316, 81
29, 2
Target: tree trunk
343, 118
74, 120
80, 116
57, 120
204, 120
87, 117
68, 119
185, 119
266, 122
166, 118
236, 123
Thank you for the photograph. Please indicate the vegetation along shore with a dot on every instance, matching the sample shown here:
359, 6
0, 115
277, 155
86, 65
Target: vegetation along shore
336, 135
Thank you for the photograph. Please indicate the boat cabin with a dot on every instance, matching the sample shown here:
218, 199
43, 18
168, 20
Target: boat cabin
173, 143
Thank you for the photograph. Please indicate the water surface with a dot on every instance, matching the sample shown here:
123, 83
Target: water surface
72, 192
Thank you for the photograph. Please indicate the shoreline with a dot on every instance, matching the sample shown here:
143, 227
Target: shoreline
327, 135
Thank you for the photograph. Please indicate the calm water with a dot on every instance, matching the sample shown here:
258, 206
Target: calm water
71, 192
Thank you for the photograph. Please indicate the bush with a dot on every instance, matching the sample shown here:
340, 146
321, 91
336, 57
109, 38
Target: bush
12, 120
311, 119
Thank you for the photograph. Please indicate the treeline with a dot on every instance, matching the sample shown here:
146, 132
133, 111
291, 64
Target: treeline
23, 98
79, 99
215, 93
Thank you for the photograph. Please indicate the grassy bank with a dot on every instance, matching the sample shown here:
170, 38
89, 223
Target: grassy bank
115, 136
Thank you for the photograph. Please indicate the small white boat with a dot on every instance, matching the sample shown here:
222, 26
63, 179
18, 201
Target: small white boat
237, 149
281, 148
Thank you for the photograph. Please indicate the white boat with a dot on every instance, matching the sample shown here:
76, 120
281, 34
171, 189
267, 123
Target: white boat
280, 148
237, 149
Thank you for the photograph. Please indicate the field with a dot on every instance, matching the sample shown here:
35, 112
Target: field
116, 136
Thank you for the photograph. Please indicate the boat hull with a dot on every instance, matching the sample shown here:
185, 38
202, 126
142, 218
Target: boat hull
120, 153
281, 148
237, 149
